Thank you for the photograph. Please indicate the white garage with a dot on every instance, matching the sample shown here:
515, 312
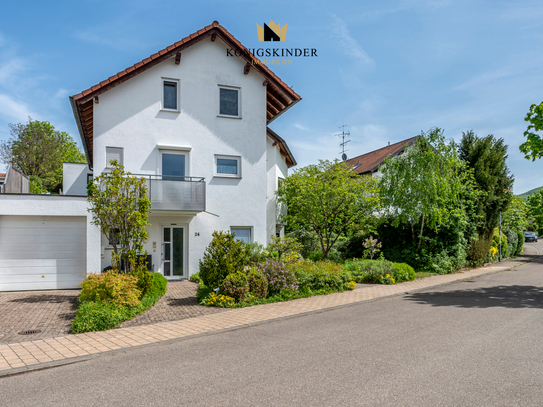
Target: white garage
42, 252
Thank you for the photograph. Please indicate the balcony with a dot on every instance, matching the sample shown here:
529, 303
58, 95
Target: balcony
176, 193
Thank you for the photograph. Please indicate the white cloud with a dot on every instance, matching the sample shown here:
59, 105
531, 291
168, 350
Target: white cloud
301, 127
347, 43
10, 69
486, 78
61, 94
13, 111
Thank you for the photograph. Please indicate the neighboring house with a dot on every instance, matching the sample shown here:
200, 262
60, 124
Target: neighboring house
14, 182
193, 122
369, 163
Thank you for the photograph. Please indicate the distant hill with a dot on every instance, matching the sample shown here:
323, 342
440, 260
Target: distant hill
531, 191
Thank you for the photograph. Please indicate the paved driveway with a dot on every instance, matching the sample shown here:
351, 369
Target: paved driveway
50, 312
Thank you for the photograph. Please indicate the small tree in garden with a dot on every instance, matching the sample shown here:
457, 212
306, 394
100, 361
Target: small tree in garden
120, 207
373, 247
284, 246
422, 188
533, 146
329, 199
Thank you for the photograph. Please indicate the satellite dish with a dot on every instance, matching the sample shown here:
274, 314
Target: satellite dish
344, 157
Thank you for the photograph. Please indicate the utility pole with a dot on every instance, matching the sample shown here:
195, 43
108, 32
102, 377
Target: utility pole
344, 142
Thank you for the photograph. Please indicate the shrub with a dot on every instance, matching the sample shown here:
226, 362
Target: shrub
403, 272
235, 285
218, 300
110, 288
144, 279
351, 285
279, 277
322, 275
359, 267
520, 244
223, 256
258, 283
286, 247
195, 278
100, 316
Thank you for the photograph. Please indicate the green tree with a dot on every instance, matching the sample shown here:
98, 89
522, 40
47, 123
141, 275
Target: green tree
486, 157
535, 207
515, 217
328, 199
533, 146
38, 150
422, 188
120, 206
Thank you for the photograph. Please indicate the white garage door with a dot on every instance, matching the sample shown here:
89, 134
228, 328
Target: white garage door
42, 253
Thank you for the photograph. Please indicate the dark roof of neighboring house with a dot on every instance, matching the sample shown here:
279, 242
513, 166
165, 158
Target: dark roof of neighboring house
283, 148
371, 161
279, 96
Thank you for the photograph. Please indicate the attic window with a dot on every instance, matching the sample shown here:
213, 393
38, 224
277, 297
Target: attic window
229, 103
170, 101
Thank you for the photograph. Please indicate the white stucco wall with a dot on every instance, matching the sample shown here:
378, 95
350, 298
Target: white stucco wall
130, 116
276, 168
74, 178
56, 205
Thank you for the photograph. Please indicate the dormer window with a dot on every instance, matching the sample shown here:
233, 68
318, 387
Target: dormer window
170, 95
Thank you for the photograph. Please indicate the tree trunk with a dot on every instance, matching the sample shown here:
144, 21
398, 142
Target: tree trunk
420, 235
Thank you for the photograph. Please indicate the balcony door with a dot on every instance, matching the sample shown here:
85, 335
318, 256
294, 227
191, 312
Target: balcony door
172, 166
173, 252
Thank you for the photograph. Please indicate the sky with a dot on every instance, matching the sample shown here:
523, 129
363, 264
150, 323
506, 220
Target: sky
387, 69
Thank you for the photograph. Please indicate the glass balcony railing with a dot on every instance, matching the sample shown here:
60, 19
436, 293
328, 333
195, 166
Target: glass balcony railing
176, 193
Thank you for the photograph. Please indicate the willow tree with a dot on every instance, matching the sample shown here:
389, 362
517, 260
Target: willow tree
120, 205
423, 187
329, 199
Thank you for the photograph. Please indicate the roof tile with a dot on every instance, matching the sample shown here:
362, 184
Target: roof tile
370, 161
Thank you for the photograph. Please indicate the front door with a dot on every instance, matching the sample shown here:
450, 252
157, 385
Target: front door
173, 252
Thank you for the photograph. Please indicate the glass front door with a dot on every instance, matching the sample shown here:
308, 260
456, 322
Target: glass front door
173, 251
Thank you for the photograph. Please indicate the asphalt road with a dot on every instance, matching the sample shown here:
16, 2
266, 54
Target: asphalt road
476, 343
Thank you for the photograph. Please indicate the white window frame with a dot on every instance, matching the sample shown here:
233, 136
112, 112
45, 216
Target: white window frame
227, 157
249, 228
108, 165
177, 152
237, 88
177, 86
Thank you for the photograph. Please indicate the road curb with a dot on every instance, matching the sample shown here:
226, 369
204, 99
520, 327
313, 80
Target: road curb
78, 359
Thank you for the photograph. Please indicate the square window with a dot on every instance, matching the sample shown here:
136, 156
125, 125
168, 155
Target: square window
170, 95
114, 153
227, 166
229, 102
242, 233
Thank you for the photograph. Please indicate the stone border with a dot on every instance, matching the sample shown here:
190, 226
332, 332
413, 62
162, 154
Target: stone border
18, 358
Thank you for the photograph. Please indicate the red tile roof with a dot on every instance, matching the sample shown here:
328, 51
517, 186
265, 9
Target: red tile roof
371, 161
212, 28
280, 97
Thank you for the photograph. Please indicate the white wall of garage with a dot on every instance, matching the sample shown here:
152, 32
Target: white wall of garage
56, 216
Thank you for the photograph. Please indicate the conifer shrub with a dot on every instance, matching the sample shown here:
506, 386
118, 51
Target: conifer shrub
223, 256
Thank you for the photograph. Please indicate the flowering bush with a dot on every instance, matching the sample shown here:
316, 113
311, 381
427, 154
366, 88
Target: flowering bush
351, 285
279, 277
218, 300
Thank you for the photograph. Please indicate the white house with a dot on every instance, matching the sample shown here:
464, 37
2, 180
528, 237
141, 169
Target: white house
193, 121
